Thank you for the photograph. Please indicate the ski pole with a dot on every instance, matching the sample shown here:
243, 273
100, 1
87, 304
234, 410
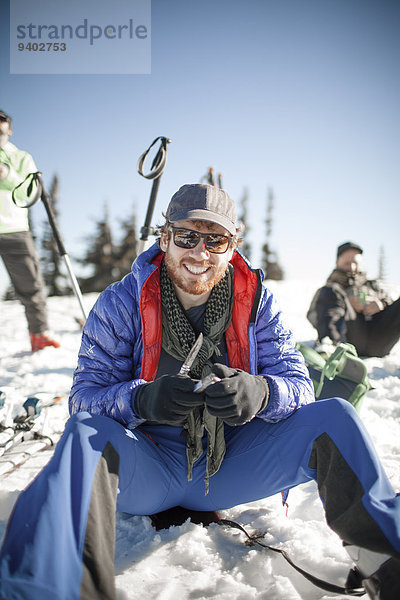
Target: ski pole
156, 171
45, 198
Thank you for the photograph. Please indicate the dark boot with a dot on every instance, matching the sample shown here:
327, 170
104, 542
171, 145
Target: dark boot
384, 584
379, 573
178, 515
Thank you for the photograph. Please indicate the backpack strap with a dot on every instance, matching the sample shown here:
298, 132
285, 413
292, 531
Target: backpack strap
334, 364
338, 364
324, 585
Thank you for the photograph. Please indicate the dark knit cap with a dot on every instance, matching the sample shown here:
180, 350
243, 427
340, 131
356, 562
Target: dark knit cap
5, 117
348, 246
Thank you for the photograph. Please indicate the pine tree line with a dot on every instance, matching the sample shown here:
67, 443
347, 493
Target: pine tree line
270, 263
107, 260
269, 258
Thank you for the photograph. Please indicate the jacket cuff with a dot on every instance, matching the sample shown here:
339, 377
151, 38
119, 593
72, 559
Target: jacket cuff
266, 397
135, 418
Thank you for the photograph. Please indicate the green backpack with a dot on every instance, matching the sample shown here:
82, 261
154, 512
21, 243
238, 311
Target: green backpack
343, 374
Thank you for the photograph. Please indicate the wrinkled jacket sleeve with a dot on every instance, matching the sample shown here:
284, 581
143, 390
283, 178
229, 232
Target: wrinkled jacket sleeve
380, 292
109, 359
280, 363
331, 315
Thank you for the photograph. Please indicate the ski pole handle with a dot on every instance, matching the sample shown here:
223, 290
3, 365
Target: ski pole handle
26, 189
157, 168
159, 162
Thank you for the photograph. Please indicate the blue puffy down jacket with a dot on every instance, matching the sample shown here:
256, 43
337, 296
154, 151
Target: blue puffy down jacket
111, 356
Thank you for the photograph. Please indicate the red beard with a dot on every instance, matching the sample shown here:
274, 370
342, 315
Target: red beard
176, 272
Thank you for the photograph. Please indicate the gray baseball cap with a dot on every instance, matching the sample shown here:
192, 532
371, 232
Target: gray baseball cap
205, 202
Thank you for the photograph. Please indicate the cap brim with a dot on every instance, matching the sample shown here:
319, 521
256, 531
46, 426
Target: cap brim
204, 215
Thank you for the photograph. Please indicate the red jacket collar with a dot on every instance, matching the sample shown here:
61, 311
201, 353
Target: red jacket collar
237, 335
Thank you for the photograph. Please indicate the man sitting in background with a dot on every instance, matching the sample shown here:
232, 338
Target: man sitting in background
351, 308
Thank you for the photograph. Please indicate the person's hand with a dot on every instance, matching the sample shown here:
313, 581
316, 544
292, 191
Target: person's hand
358, 305
4, 170
373, 307
167, 400
238, 397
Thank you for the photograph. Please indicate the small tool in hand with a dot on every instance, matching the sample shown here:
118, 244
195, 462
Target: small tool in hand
189, 360
205, 382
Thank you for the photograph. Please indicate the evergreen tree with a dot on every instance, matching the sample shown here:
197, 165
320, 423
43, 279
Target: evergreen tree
100, 257
126, 252
211, 178
245, 247
54, 279
269, 261
382, 264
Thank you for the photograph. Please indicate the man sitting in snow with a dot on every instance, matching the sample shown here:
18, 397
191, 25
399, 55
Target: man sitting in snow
352, 308
141, 439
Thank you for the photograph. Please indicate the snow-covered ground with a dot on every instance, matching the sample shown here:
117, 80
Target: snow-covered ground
191, 562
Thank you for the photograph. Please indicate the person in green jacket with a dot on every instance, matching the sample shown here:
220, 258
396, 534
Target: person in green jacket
17, 248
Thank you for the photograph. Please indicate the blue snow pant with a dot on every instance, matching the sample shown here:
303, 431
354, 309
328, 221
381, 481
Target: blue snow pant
60, 539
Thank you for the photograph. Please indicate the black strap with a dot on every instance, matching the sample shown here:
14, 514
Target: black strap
325, 585
158, 164
35, 179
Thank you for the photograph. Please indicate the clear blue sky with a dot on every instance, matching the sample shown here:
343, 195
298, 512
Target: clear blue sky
300, 96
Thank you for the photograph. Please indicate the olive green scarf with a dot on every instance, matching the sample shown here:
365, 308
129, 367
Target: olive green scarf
178, 336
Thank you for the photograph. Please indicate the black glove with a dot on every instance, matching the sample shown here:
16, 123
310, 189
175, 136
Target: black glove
238, 397
167, 400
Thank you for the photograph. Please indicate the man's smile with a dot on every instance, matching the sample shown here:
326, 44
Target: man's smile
196, 270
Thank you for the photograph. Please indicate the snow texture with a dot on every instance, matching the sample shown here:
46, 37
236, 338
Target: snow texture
190, 561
